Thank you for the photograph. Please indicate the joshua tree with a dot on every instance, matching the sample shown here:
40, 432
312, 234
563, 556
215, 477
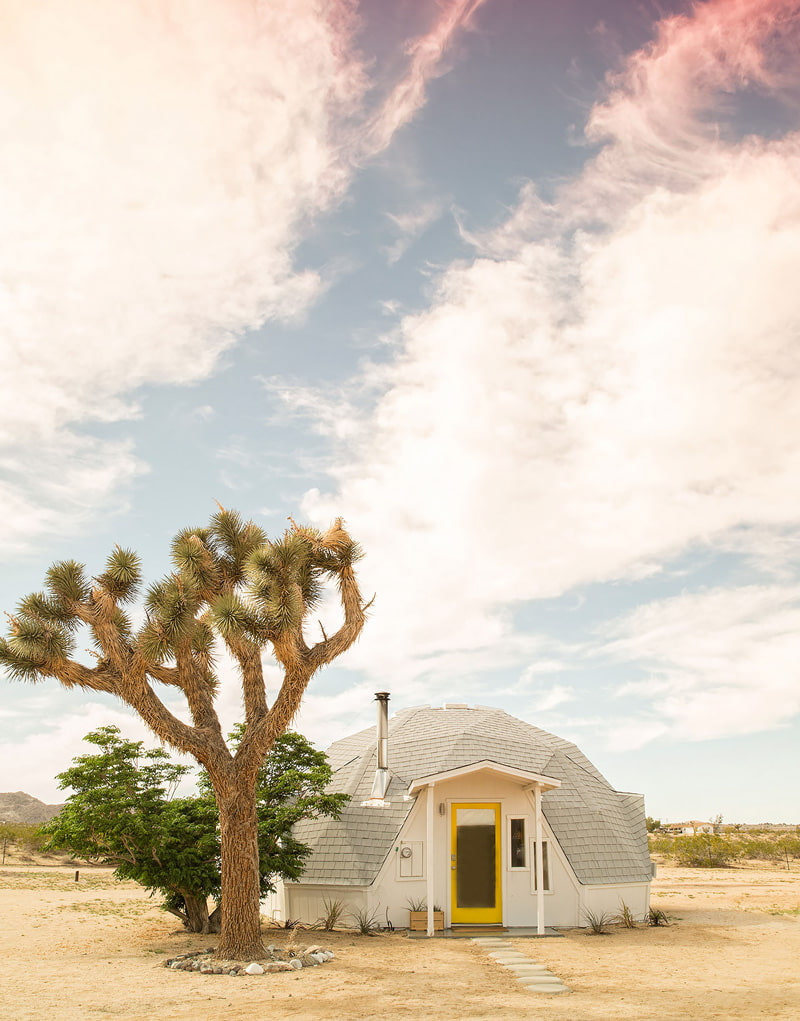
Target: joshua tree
229, 582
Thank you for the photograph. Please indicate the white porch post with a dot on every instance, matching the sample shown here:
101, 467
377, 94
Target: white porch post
429, 859
537, 798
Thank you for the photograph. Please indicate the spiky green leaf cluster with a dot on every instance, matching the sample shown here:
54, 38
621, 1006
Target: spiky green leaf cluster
122, 575
41, 629
233, 618
286, 580
19, 666
215, 557
67, 582
195, 561
40, 635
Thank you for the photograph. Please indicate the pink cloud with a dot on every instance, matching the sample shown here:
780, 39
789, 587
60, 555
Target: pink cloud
426, 57
667, 119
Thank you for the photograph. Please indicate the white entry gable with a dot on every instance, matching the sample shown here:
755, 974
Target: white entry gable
524, 777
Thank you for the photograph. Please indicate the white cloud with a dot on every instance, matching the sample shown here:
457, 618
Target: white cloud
161, 162
56, 741
544, 699
411, 225
717, 663
64, 480
613, 378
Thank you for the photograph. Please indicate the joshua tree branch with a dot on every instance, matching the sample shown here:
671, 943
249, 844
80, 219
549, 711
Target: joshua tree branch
198, 688
204, 743
354, 620
76, 675
248, 655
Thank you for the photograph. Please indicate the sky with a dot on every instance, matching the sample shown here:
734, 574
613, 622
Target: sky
511, 286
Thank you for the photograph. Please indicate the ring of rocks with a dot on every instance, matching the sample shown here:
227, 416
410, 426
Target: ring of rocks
278, 959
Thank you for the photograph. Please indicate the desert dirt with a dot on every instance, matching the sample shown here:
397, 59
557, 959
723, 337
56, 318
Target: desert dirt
95, 949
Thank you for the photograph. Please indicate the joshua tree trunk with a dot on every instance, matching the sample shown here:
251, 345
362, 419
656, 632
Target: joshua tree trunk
240, 937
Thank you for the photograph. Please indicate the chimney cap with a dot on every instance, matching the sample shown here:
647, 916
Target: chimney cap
382, 696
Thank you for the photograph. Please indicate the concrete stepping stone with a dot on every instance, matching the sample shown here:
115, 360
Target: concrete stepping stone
545, 987
528, 969
536, 978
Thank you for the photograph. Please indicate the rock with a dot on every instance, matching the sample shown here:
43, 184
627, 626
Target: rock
295, 964
278, 966
254, 969
234, 971
320, 958
175, 964
206, 968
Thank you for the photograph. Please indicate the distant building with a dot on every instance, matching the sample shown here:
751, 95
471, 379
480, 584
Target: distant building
689, 829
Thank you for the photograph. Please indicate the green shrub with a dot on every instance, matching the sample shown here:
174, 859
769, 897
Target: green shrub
706, 851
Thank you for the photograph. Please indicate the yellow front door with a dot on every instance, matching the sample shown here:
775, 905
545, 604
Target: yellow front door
475, 864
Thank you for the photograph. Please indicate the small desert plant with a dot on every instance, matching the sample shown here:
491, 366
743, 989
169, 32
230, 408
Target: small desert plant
597, 922
334, 909
419, 904
655, 916
625, 916
366, 922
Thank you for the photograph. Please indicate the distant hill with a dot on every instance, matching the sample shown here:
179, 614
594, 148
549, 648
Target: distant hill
24, 808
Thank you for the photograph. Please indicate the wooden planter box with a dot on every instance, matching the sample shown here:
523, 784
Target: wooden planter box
419, 921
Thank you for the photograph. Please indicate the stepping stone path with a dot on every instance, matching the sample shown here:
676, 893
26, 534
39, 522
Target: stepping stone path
527, 972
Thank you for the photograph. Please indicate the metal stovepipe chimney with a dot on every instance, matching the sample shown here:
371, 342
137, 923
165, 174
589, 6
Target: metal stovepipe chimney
381, 781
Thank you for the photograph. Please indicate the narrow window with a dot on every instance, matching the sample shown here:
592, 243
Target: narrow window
545, 865
517, 845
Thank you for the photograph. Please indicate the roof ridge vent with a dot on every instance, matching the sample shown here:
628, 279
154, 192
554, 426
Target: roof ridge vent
456, 705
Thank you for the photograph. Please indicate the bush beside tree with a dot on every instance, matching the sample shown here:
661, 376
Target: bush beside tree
123, 812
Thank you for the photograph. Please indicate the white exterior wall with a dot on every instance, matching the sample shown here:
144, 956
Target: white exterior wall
609, 899
306, 903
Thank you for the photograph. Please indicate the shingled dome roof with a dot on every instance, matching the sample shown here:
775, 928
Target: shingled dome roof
601, 831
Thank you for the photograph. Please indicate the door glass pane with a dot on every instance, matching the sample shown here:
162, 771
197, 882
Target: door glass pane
475, 857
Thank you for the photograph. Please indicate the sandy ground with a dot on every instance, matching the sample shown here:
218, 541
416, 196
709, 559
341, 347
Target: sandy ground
94, 949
